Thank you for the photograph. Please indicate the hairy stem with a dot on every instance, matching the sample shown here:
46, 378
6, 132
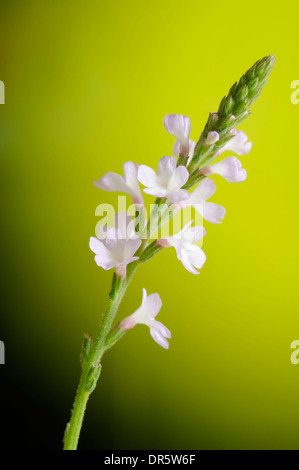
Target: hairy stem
91, 363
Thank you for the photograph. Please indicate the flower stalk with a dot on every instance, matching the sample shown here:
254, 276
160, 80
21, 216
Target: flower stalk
125, 249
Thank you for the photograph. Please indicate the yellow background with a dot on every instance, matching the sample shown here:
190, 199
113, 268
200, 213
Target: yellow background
87, 87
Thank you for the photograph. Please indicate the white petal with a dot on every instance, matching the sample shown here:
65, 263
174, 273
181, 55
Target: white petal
147, 176
177, 148
193, 259
130, 248
237, 144
157, 192
188, 265
213, 213
204, 191
128, 184
197, 257
180, 176
122, 221
130, 173
102, 263
195, 233
179, 126
230, 168
144, 295
192, 145
152, 305
128, 261
97, 246
162, 329
112, 182
159, 338
166, 166
178, 196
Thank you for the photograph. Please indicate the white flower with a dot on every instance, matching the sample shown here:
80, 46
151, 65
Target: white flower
180, 126
237, 144
167, 181
127, 184
115, 251
230, 168
145, 315
210, 211
189, 254
123, 223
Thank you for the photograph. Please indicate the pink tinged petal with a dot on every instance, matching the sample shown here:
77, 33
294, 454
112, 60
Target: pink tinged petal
206, 171
147, 176
164, 243
121, 271
128, 323
166, 166
179, 149
231, 169
212, 138
213, 213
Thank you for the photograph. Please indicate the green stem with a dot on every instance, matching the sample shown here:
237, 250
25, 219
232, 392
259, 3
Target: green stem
91, 358
91, 366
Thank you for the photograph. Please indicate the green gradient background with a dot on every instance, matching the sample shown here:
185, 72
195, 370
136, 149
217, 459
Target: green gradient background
87, 87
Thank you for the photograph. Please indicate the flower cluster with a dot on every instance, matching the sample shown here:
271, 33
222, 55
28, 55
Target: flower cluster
118, 246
